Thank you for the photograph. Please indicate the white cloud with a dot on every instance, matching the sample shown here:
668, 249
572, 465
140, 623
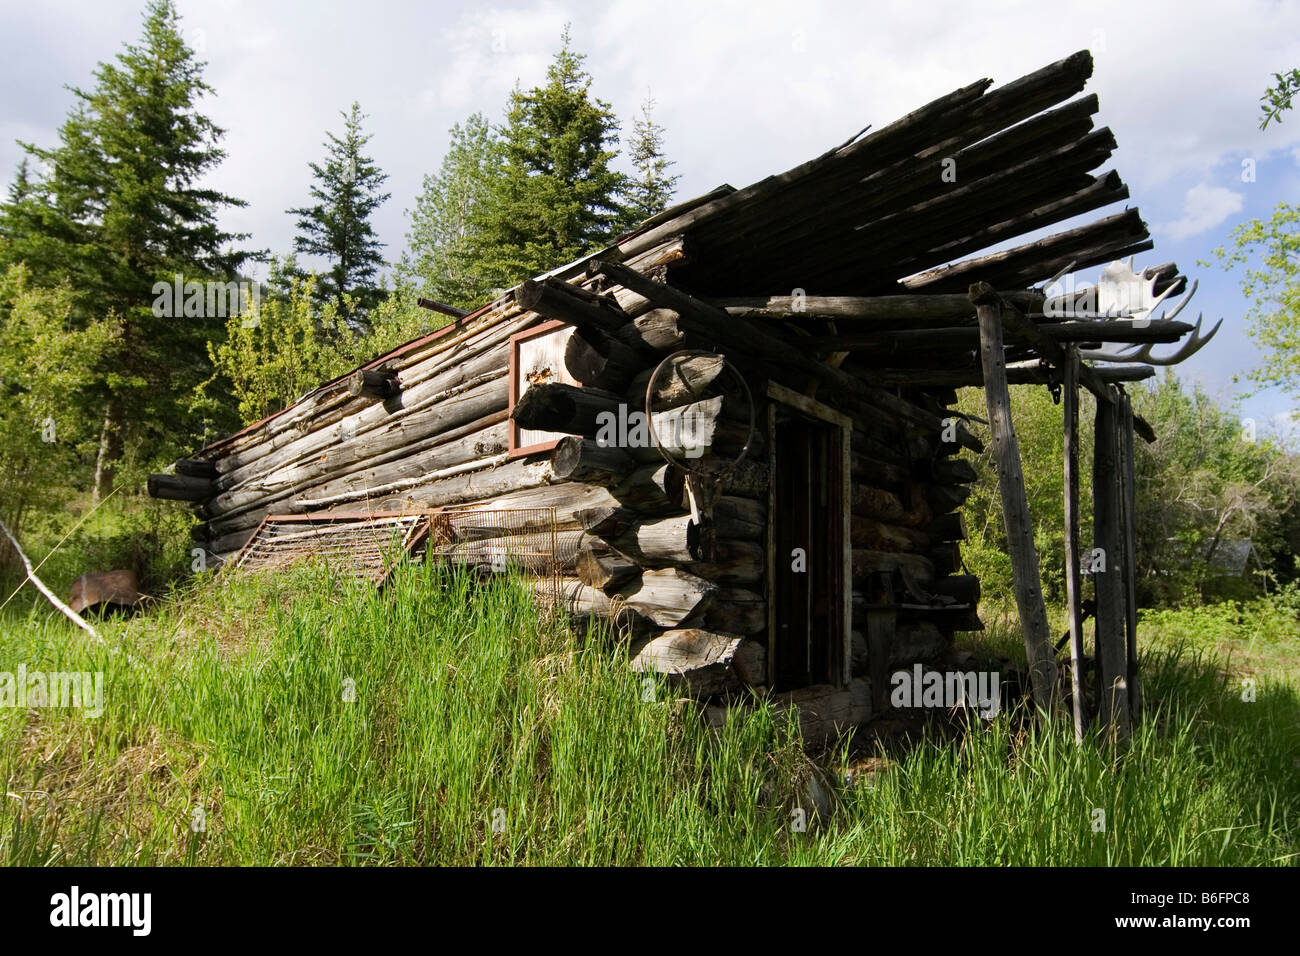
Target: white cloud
1204, 207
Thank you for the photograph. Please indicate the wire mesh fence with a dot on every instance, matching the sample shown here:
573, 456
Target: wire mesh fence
502, 541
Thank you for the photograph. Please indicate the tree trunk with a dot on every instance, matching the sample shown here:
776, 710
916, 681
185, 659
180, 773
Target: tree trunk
110, 450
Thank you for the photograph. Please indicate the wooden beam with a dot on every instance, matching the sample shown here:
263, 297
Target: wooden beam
372, 383
1073, 582
1021, 375
1128, 494
181, 488
901, 340
1108, 578
196, 468
913, 308
442, 307
1039, 652
556, 299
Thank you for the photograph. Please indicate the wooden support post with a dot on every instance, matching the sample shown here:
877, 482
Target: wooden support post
1127, 475
1108, 576
1039, 652
1073, 584
880, 638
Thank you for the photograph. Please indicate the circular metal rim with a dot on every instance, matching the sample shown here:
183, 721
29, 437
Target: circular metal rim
749, 398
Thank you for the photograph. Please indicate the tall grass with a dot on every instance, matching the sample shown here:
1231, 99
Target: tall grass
305, 719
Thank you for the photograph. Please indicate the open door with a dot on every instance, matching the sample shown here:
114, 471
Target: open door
809, 586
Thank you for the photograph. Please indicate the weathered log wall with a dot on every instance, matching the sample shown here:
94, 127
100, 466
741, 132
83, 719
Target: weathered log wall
692, 591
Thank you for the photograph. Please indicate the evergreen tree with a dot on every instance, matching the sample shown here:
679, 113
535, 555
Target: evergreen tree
650, 190
445, 243
119, 207
559, 195
337, 228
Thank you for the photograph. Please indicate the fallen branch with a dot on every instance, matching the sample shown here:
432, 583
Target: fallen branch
68, 612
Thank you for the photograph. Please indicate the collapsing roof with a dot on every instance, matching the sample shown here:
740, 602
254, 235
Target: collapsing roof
896, 210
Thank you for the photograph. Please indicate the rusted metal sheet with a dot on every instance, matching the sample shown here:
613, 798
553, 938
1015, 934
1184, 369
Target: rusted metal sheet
105, 590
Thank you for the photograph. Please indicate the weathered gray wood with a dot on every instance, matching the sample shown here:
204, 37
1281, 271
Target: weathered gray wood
920, 340
879, 536
685, 381
502, 553
557, 299
740, 518
867, 561
583, 459
826, 712
1128, 495
887, 506
654, 488
1015, 503
181, 488
372, 383
1112, 659
700, 661
597, 359
738, 611
665, 541
910, 308
601, 566
733, 563
556, 407
656, 331
1073, 583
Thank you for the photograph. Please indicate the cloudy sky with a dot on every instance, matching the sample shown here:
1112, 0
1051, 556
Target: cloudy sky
745, 89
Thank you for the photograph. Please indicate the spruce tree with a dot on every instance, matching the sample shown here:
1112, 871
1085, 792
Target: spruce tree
445, 242
651, 189
120, 205
559, 194
337, 228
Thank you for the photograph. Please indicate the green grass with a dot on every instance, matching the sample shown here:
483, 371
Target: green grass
481, 734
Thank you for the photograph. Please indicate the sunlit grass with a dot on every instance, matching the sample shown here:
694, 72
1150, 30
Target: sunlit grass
304, 719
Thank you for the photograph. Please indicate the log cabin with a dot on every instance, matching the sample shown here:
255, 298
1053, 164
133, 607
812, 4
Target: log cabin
740, 419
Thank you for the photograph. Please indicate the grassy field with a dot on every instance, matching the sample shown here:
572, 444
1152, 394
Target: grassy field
303, 719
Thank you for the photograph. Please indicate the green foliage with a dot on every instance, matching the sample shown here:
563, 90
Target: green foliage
1205, 481
1277, 98
337, 228
45, 372
117, 206
445, 245
559, 195
126, 532
651, 188
281, 348
1040, 433
1270, 252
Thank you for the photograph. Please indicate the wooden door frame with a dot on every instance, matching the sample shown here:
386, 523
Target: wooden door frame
779, 394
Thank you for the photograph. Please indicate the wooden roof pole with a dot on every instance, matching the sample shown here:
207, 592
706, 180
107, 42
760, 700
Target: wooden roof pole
1039, 651
1108, 576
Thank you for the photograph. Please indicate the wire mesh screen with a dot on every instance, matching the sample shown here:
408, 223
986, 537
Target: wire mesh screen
506, 540
369, 546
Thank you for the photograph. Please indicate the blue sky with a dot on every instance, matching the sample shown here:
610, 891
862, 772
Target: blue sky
744, 90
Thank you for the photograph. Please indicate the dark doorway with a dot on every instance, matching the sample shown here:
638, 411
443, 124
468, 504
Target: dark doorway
808, 578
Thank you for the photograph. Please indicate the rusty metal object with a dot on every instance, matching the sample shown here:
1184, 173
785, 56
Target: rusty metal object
105, 590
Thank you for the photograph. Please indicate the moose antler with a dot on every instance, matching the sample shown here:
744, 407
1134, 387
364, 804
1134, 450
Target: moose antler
1195, 342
